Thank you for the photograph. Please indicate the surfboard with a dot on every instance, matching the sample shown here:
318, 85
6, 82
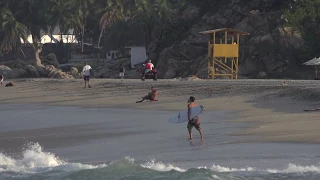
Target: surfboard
183, 115
317, 109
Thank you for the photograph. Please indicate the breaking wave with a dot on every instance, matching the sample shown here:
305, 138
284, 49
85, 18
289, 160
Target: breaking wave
37, 164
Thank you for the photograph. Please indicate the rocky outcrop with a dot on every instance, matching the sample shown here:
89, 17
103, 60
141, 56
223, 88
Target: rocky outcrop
12, 73
270, 47
110, 69
50, 59
74, 71
32, 71
22, 70
51, 72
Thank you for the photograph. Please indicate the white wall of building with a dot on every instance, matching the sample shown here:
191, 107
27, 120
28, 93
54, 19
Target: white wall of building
138, 55
68, 37
112, 54
47, 39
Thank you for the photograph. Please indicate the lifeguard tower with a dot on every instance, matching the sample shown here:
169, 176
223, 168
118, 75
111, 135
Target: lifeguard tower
223, 52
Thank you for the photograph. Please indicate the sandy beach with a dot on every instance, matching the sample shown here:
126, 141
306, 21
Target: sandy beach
275, 110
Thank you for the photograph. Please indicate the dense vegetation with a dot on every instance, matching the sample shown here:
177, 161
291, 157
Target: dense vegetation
89, 18
304, 16
115, 20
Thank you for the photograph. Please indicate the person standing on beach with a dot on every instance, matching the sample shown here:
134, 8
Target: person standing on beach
195, 122
86, 74
121, 71
1, 79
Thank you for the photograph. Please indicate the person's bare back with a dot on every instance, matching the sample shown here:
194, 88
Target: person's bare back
194, 122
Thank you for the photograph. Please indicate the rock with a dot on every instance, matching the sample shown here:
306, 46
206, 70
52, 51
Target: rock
203, 73
18, 73
217, 20
32, 71
62, 75
12, 73
191, 13
74, 71
65, 67
18, 64
5, 70
288, 37
190, 78
42, 71
111, 68
262, 75
50, 59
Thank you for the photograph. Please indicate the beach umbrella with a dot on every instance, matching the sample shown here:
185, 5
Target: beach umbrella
313, 62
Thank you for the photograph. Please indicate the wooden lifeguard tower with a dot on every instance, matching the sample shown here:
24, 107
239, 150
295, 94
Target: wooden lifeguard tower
223, 52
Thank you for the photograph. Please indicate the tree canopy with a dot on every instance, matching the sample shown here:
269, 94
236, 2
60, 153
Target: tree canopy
106, 20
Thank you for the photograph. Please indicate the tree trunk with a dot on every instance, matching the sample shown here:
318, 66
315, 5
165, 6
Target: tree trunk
82, 36
100, 36
148, 36
37, 50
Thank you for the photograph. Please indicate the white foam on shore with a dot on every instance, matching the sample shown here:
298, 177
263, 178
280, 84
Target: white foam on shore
35, 160
159, 166
292, 168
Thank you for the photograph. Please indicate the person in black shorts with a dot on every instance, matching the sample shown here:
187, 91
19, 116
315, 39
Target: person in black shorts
1, 79
195, 122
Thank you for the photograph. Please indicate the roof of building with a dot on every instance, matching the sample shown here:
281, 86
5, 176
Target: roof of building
313, 62
225, 29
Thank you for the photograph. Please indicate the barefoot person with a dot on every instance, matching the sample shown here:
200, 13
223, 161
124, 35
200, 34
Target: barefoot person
152, 96
121, 71
86, 74
195, 122
1, 79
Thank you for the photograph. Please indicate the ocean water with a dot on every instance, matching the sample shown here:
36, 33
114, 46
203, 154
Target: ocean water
44, 142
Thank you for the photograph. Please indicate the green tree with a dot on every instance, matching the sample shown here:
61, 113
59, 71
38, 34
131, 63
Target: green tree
151, 13
304, 16
62, 15
84, 9
113, 12
11, 31
34, 14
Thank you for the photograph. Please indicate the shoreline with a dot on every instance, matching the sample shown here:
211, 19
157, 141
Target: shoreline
276, 110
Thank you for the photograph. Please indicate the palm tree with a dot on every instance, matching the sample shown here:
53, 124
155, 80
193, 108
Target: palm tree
11, 31
151, 13
113, 11
34, 14
61, 15
83, 6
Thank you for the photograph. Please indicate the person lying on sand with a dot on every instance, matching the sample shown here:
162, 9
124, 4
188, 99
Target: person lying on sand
195, 122
1, 79
152, 96
10, 84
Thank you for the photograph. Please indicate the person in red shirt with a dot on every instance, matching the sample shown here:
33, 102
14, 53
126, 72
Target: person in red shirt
149, 66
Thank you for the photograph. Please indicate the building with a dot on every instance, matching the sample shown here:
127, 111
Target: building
138, 54
55, 37
112, 54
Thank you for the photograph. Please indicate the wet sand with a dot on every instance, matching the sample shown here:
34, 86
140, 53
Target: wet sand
275, 110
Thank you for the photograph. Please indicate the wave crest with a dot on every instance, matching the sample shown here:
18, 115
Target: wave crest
34, 160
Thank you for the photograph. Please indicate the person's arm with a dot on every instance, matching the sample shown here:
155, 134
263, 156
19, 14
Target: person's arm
189, 112
83, 70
